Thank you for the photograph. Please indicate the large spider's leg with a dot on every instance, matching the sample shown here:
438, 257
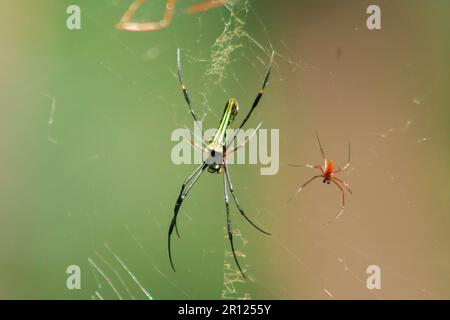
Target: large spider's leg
304, 185
185, 92
256, 101
195, 145
320, 145
192, 138
183, 193
343, 202
345, 184
246, 140
227, 177
206, 5
126, 24
229, 228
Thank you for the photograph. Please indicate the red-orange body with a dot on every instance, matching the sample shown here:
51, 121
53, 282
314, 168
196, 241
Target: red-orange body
327, 170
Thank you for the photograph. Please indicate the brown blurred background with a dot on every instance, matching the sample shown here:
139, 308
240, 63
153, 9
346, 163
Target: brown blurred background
385, 91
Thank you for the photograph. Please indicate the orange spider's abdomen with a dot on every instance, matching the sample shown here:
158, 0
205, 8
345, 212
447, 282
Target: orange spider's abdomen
328, 170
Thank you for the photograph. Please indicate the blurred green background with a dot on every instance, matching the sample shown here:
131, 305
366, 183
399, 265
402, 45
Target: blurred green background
95, 169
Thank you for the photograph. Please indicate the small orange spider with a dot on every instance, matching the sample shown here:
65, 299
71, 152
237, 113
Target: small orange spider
126, 24
328, 173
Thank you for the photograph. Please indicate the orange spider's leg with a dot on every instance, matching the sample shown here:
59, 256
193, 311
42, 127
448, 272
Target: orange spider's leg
343, 202
306, 166
204, 6
303, 185
126, 24
344, 184
348, 161
320, 146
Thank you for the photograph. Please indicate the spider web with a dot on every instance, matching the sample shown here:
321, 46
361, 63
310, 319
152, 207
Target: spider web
233, 283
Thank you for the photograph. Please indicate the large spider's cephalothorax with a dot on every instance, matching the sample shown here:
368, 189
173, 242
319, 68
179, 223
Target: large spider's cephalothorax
215, 162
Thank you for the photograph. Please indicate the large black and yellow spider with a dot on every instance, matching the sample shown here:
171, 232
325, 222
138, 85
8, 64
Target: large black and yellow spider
217, 150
